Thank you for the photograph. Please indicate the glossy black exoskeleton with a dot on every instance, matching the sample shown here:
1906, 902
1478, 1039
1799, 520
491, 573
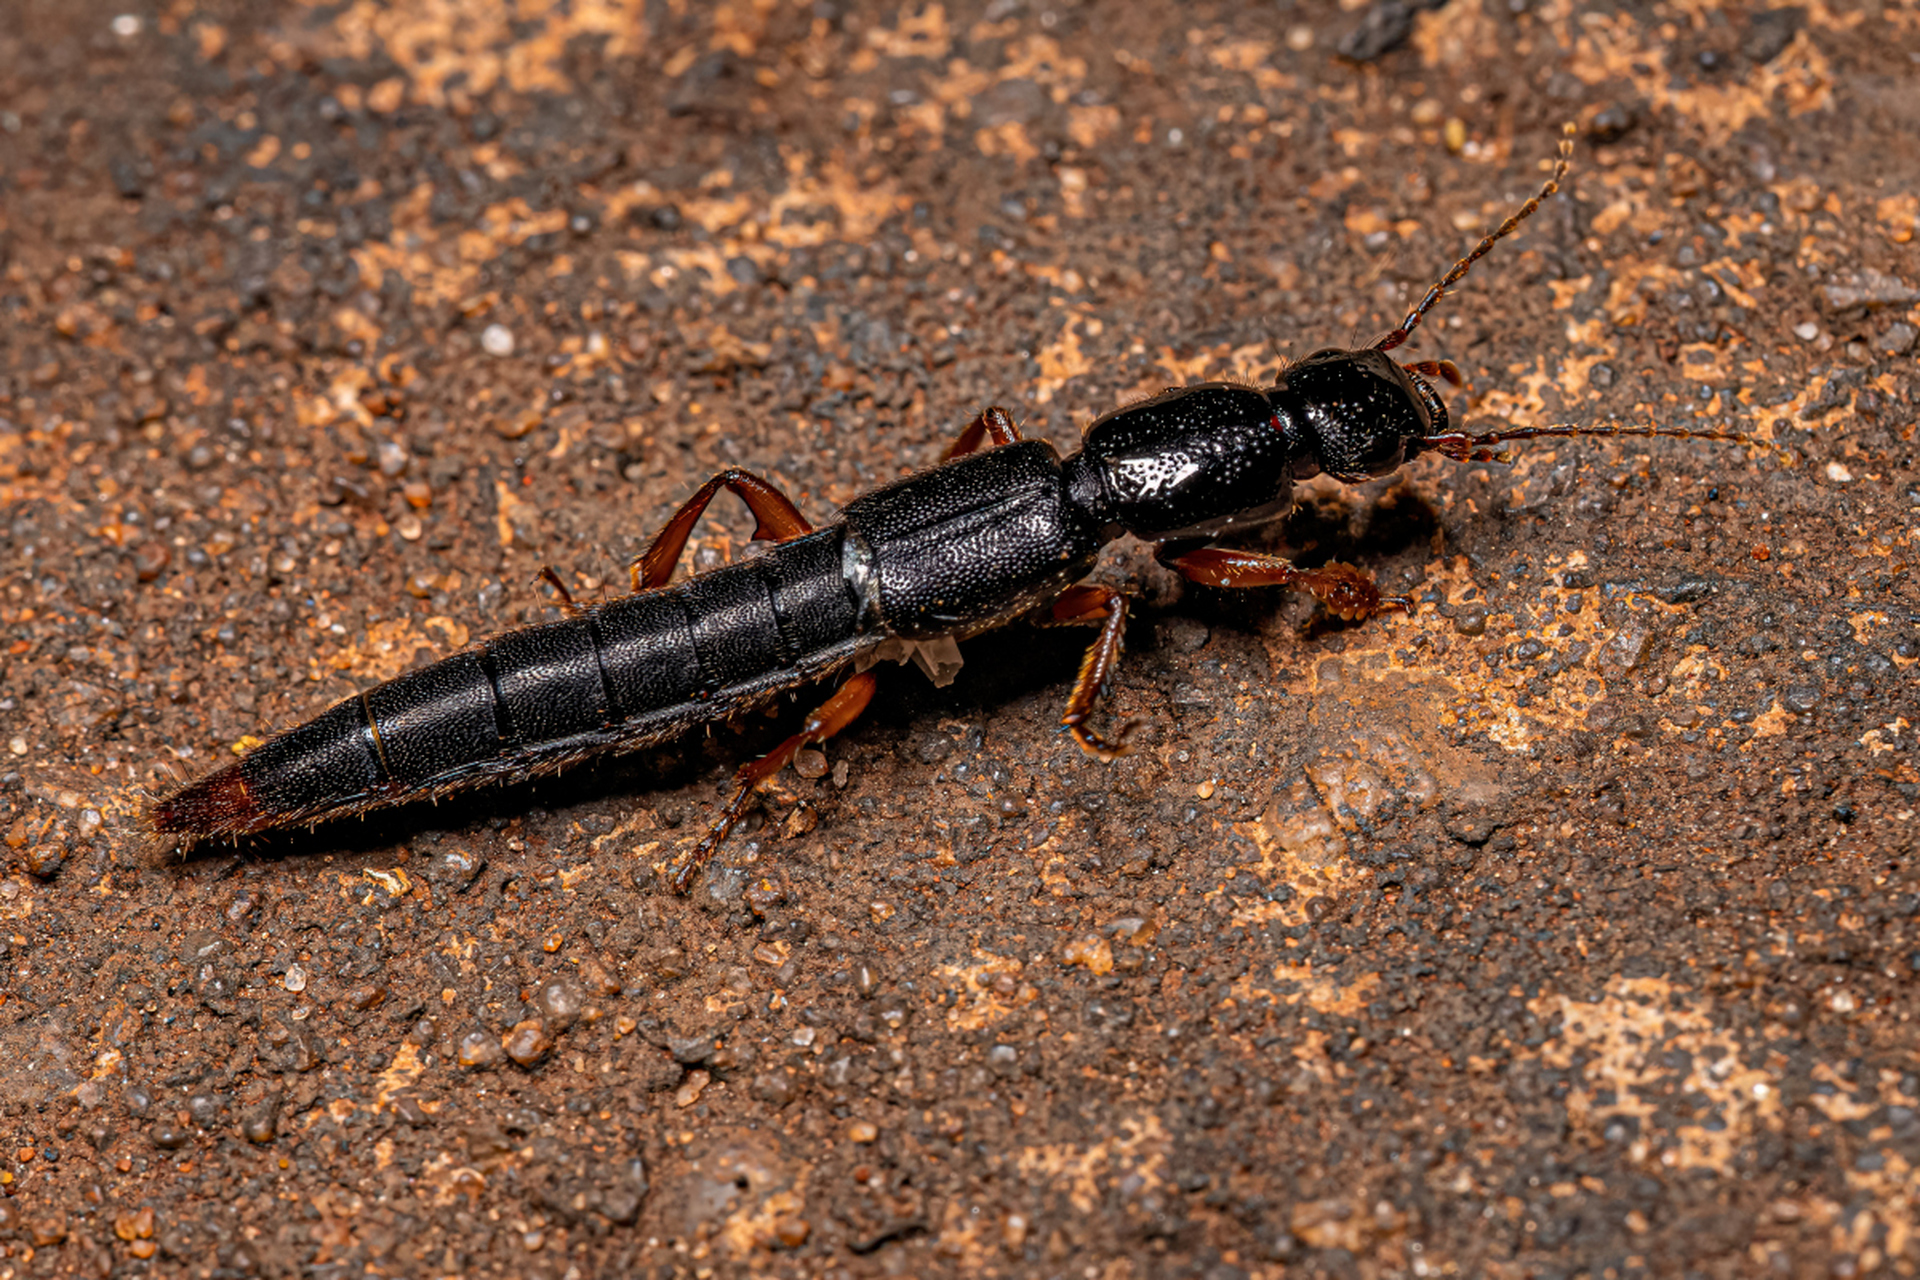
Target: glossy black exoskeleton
985, 538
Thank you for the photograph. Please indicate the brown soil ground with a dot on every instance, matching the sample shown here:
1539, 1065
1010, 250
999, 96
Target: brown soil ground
1565, 929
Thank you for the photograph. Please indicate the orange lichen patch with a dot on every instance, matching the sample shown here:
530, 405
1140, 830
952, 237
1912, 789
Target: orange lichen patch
1771, 723
984, 992
1382, 744
1090, 126
453, 51
1620, 1041
391, 644
1454, 39
1365, 221
1518, 399
441, 264
1788, 413
1462, 696
1615, 48
1301, 846
767, 1188
1634, 280
510, 509
926, 34
1298, 984
1063, 359
442, 1180
1891, 1192
1252, 363
401, 1073
1900, 215
1085, 1171
1565, 291
1009, 138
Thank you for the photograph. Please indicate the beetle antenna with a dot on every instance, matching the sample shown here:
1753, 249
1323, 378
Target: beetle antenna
1505, 229
1463, 447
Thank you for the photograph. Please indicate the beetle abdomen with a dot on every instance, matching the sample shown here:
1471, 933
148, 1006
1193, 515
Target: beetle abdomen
625, 674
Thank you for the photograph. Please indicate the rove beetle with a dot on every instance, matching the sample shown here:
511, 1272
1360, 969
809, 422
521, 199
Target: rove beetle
988, 536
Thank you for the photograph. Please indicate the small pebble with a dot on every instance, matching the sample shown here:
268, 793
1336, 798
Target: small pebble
773, 1087
517, 425
1899, 339
497, 340
528, 1042
409, 527
392, 457
366, 996
1806, 331
168, 1136
862, 1131
418, 493
558, 1001
44, 859
261, 1125
689, 1092
296, 979
478, 1049
792, 1232
1839, 473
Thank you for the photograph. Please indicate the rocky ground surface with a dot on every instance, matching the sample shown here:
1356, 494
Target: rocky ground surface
1566, 928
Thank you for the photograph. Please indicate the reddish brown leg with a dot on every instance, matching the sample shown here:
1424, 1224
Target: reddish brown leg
552, 579
778, 520
1446, 370
833, 715
1344, 589
1107, 607
992, 421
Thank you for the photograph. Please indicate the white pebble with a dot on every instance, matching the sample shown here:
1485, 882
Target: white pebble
127, 25
497, 340
1838, 473
296, 978
1806, 331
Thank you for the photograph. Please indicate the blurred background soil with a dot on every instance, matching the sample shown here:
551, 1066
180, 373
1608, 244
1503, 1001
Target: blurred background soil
1565, 929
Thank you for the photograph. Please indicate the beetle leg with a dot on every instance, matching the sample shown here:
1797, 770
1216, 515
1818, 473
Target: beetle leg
1446, 370
1107, 607
776, 516
991, 421
1347, 591
552, 579
833, 715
